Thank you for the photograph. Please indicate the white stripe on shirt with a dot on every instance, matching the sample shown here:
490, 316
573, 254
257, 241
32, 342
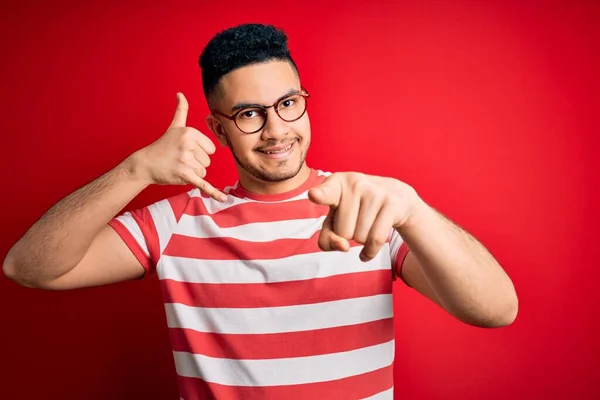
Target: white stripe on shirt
293, 268
285, 371
280, 319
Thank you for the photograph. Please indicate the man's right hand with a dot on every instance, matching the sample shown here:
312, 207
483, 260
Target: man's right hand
179, 157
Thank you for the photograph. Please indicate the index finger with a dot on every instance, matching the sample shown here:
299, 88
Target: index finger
181, 112
328, 239
328, 193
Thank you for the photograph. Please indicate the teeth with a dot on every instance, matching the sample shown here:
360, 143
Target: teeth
279, 151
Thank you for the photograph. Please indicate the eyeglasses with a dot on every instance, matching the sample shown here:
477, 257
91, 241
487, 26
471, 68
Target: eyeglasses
253, 118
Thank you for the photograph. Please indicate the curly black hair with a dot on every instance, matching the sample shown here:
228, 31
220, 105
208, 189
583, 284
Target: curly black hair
240, 46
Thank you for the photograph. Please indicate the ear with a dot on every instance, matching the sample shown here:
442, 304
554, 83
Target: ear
216, 128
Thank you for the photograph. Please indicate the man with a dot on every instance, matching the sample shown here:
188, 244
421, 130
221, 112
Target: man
280, 285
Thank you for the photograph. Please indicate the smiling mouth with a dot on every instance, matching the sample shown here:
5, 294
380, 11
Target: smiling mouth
279, 151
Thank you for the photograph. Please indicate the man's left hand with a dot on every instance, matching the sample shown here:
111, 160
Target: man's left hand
363, 208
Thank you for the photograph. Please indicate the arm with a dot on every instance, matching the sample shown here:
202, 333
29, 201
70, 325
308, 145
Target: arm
73, 246
74, 232
445, 263
453, 269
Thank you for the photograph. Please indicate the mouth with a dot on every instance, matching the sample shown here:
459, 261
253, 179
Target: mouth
278, 151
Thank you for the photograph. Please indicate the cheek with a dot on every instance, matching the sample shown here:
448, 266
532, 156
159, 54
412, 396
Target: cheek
243, 145
303, 128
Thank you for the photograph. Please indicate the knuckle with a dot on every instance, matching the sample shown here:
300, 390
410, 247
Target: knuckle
378, 241
342, 230
352, 178
359, 183
380, 197
188, 146
182, 172
355, 176
175, 130
202, 185
188, 135
360, 186
395, 201
182, 159
180, 180
360, 238
346, 234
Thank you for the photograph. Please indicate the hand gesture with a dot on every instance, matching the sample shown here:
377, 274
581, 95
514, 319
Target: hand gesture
363, 208
180, 156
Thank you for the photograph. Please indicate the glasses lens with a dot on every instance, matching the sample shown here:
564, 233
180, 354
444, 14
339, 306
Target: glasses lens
291, 108
250, 119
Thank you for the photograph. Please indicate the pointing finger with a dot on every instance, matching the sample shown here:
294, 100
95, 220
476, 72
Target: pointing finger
328, 193
181, 112
328, 240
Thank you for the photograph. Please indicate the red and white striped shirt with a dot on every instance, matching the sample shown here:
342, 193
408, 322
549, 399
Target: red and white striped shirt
255, 309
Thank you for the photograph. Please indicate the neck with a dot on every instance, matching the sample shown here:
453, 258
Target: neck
257, 186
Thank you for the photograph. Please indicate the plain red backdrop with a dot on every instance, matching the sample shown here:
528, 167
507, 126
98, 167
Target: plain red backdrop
489, 109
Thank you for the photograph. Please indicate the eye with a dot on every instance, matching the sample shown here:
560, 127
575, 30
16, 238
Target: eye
287, 103
249, 113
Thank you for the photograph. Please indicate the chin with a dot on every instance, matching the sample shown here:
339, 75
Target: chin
282, 171
277, 174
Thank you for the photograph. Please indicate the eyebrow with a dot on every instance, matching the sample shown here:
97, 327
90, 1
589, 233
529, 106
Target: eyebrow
241, 106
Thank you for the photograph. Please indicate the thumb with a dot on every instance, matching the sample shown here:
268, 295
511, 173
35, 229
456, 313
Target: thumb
181, 112
328, 239
328, 193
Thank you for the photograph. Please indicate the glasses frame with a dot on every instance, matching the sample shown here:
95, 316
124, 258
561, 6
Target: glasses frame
233, 117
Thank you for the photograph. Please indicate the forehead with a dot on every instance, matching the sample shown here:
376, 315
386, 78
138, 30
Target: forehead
260, 83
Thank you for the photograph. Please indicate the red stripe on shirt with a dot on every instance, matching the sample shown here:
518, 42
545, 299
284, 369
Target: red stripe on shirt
283, 345
278, 294
359, 386
236, 249
314, 179
144, 219
133, 245
253, 212
399, 262
179, 203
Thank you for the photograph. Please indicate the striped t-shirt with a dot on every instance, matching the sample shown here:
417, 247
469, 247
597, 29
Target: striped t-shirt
255, 310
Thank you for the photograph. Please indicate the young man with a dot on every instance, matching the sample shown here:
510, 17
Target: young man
280, 285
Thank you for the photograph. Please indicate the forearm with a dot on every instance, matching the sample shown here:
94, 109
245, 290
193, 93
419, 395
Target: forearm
465, 277
60, 238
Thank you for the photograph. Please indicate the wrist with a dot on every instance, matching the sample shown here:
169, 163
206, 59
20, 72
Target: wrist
417, 212
134, 170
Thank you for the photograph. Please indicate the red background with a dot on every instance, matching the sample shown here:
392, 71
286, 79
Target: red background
489, 109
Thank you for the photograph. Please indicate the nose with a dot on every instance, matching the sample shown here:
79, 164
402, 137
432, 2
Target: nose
275, 128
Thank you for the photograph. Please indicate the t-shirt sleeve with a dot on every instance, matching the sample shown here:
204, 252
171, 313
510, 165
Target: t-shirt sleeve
398, 252
146, 231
